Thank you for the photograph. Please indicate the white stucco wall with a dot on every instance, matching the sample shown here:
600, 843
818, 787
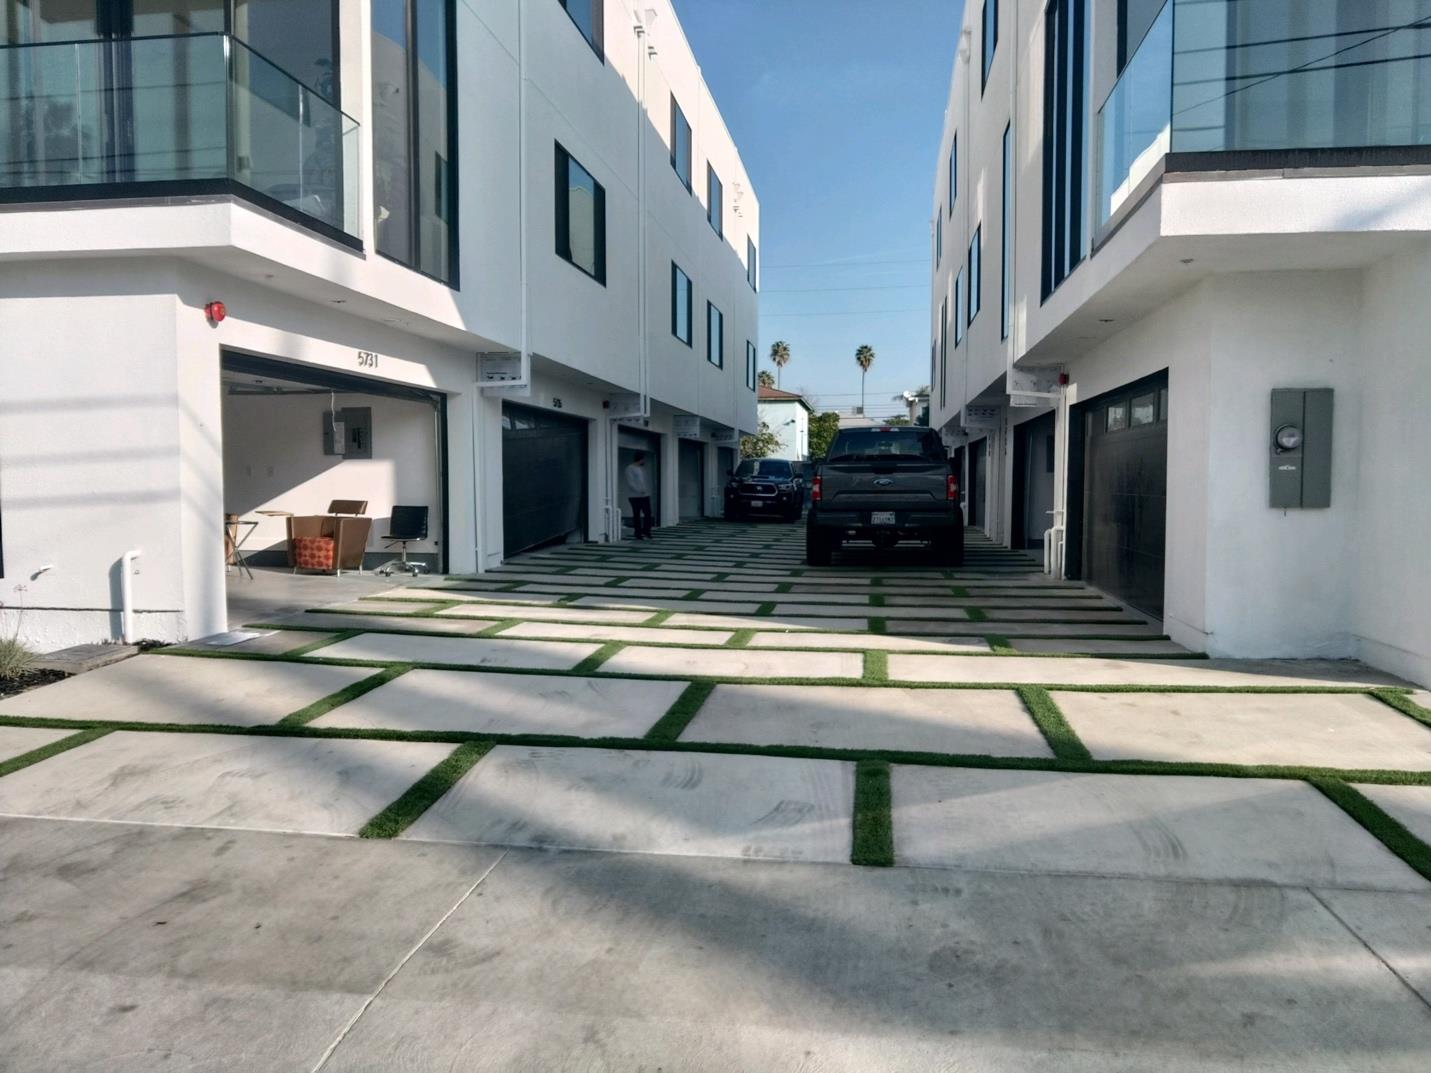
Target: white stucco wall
790, 421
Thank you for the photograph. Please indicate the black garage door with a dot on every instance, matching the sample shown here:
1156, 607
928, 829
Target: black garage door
543, 478
1125, 493
691, 478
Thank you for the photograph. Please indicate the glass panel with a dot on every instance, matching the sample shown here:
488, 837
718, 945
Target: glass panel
1287, 74
581, 216
1138, 17
392, 145
295, 35
434, 171
156, 18
179, 92
715, 201
681, 307
715, 335
1145, 410
25, 22
1133, 126
959, 308
680, 144
587, 16
52, 116
1117, 417
1163, 404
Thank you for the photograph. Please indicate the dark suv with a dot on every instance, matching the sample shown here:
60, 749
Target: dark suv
765, 488
885, 485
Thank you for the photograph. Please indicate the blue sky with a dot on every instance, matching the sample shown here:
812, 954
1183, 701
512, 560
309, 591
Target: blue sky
837, 106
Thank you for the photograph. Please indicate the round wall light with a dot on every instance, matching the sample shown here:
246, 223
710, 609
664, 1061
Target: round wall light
1288, 438
215, 311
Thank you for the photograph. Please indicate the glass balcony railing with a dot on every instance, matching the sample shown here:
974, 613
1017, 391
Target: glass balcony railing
1225, 76
190, 110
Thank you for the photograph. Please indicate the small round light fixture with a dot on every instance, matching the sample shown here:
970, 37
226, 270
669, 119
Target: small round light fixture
215, 311
1288, 438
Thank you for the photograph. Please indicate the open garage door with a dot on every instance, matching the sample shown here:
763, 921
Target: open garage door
1033, 481
543, 478
1125, 492
629, 443
692, 479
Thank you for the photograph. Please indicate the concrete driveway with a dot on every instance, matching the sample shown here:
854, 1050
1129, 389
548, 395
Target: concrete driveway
691, 806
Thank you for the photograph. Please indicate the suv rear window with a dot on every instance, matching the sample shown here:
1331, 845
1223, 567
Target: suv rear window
874, 444
763, 468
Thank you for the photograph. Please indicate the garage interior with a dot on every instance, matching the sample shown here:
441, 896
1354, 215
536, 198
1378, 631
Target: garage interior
629, 443
297, 438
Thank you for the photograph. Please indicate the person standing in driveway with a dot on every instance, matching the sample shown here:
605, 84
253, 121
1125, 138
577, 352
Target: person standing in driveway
639, 493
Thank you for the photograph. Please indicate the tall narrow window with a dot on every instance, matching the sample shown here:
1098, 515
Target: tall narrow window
1005, 298
750, 365
959, 308
681, 312
752, 264
976, 274
680, 144
414, 144
1065, 143
953, 173
588, 16
580, 217
938, 239
715, 201
991, 38
715, 336
944, 352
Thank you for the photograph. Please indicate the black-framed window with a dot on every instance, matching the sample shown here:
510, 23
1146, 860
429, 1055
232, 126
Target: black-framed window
938, 239
589, 18
680, 144
750, 377
959, 308
580, 217
415, 135
953, 173
991, 38
976, 273
682, 311
1065, 141
944, 352
1005, 296
1135, 19
752, 264
715, 336
715, 200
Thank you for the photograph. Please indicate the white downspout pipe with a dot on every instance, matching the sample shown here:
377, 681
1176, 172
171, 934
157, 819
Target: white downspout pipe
126, 594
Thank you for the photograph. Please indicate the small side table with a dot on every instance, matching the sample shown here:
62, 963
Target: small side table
236, 533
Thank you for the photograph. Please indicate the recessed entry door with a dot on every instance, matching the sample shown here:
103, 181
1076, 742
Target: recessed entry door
692, 480
543, 478
1126, 493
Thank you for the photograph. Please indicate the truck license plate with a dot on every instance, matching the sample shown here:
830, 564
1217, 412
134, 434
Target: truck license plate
882, 517
757, 504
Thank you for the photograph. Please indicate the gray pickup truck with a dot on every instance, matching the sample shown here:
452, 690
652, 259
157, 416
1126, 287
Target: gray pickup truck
885, 485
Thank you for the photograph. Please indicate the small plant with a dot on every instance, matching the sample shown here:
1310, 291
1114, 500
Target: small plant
15, 659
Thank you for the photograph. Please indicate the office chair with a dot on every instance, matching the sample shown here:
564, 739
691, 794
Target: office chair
406, 525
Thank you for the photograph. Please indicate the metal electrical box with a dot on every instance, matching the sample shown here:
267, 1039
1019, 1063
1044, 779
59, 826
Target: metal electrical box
1300, 443
348, 432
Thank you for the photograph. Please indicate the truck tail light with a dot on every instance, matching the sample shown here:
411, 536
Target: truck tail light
951, 487
815, 490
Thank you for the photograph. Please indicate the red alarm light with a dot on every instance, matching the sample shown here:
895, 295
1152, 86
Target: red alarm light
215, 311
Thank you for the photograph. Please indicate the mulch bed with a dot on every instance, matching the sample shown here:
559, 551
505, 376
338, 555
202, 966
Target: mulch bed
29, 680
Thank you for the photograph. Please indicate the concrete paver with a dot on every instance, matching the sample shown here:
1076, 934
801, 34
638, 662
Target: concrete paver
1028, 629
549, 614
768, 622
379, 623
509, 704
649, 802
713, 607
460, 651
1151, 672
1408, 805
734, 663
1397, 927
970, 722
267, 643
1107, 647
641, 634
876, 641
1320, 730
620, 962
16, 741
1152, 826
129, 949
188, 690
221, 780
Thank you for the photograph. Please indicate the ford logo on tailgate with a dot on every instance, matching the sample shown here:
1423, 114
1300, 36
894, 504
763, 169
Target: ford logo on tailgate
883, 482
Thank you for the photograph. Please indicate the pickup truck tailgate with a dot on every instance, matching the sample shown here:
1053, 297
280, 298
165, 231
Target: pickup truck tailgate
903, 485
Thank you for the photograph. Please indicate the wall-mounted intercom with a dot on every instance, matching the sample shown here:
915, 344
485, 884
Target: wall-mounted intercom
1301, 447
348, 432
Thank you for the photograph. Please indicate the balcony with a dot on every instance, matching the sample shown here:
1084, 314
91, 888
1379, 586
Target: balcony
165, 116
1225, 76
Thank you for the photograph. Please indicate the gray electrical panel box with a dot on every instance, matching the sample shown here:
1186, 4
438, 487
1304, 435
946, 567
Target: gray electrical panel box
1301, 447
354, 428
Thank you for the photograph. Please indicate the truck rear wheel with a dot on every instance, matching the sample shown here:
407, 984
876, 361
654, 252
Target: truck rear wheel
948, 548
819, 548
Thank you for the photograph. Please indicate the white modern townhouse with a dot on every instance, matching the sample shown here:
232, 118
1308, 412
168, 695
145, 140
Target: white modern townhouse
440, 267
1180, 322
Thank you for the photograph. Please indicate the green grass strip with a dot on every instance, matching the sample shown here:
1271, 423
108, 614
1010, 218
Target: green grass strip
679, 715
877, 599
322, 642
873, 841
741, 639
1052, 725
960, 593
421, 795
976, 614
44, 752
876, 667
597, 658
878, 625
659, 617
352, 691
784, 587
1402, 702
1379, 823
767, 608
496, 627
1000, 646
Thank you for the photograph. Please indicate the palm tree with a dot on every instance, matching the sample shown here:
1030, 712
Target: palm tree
864, 358
780, 355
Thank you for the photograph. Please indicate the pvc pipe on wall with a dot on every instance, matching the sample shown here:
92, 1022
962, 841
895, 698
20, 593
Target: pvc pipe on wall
126, 594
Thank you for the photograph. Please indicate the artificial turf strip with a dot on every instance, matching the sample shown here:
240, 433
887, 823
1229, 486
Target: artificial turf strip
1402, 702
1052, 725
352, 691
976, 614
877, 599
497, 627
1382, 825
679, 715
877, 626
323, 642
658, 618
767, 608
44, 752
876, 669
872, 844
597, 658
741, 639
999, 645
421, 795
